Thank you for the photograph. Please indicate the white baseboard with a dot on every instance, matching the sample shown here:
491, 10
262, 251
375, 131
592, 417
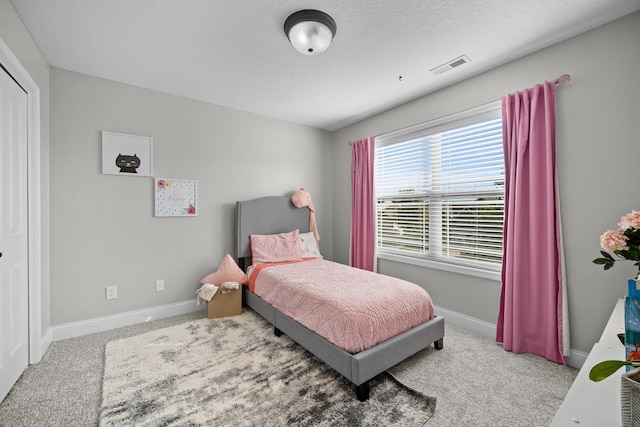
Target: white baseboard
104, 323
45, 342
576, 358
467, 322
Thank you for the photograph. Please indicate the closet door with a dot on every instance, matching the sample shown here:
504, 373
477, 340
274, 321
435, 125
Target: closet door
14, 304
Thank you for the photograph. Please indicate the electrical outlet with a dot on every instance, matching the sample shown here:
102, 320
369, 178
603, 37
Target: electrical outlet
159, 285
112, 292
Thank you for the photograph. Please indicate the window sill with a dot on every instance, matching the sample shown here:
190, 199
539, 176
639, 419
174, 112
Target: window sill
469, 271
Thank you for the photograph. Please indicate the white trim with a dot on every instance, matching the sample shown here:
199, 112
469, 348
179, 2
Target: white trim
487, 111
13, 66
46, 341
466, 322
576, 359
105, 323
453, 268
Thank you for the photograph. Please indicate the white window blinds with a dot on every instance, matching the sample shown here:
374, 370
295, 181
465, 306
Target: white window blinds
440, 190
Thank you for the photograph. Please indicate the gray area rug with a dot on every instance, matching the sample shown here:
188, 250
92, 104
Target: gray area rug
234, 371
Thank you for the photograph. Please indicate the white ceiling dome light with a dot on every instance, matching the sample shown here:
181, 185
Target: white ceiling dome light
310, 31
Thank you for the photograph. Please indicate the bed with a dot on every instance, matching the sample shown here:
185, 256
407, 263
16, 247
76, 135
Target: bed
273, 215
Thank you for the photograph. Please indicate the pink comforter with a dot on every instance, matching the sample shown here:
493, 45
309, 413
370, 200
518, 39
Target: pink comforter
352, 308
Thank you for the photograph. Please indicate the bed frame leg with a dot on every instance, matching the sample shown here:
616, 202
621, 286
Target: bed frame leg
439, 344
277, 332
362, 391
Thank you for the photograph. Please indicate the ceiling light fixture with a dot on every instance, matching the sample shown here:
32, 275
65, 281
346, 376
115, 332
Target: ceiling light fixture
310, 31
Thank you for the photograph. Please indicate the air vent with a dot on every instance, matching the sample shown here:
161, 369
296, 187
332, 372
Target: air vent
451, 65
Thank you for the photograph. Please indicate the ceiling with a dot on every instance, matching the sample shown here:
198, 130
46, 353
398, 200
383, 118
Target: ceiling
234, 53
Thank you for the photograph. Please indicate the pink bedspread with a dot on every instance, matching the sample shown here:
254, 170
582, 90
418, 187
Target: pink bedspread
352, 308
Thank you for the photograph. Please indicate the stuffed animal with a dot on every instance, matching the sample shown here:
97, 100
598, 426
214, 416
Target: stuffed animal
301, 198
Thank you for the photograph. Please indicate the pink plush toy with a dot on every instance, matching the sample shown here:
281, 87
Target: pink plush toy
301, 199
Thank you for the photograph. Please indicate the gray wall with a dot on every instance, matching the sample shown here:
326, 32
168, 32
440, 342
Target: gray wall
103, 228
598, 153
16, 36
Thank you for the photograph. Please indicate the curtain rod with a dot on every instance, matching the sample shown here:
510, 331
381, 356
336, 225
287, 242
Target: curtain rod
563, 79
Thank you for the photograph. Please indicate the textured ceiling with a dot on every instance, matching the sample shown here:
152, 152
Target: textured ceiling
234, 52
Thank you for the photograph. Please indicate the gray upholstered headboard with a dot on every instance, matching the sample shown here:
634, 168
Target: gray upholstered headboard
267, 215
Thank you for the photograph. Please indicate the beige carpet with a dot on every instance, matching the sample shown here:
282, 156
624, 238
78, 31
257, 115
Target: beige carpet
65, 388
479, 384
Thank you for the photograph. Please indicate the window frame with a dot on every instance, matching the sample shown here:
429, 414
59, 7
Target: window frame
488, 111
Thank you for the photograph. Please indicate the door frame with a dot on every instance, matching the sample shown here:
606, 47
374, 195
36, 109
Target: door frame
11, 63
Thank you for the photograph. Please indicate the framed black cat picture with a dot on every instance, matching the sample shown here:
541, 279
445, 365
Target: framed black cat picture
126, 155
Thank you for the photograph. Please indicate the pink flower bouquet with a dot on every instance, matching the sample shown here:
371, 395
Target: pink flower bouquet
623, 242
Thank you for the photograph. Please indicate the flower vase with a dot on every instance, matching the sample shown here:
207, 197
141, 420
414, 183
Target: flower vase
630, 395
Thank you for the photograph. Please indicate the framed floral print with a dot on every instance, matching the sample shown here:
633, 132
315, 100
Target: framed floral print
175, 197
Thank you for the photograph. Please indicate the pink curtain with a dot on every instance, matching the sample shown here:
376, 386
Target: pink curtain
532, 314
363, 218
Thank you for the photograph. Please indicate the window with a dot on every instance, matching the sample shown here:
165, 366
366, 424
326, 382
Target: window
440, 193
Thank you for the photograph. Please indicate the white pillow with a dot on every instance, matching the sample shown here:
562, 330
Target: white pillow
309, 245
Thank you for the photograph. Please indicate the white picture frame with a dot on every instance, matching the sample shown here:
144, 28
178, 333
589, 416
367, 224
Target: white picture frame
127, 155
175, 197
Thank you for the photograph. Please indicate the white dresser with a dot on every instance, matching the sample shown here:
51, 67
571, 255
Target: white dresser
596, 404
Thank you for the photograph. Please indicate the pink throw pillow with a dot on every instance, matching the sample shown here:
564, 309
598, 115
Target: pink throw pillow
276, 247
228, 271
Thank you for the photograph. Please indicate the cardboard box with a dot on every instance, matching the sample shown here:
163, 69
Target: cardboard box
225, 302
